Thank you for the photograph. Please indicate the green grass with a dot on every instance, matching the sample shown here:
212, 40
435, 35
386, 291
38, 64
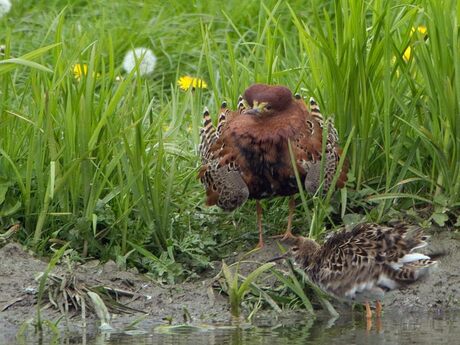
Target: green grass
102, 163
236, 290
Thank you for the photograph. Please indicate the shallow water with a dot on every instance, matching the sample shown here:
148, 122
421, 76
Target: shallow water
394, 329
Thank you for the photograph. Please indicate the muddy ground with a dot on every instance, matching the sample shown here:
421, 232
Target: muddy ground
195, 301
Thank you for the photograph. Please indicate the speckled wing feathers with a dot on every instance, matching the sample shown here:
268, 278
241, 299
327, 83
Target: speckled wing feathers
369, 260
309, 152
223, 182
208, 137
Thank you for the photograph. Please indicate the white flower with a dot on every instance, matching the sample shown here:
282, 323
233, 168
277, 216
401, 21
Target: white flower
142, 56
5, 7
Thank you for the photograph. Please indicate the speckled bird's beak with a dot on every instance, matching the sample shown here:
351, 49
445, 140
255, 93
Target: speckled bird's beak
280, 257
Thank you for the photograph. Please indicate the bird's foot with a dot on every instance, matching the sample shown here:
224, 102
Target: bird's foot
260, 245
287, 234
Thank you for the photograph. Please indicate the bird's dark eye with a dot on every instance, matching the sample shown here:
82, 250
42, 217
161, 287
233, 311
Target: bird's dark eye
268, 107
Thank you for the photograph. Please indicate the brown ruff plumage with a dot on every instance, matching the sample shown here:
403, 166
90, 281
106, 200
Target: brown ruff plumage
247, 155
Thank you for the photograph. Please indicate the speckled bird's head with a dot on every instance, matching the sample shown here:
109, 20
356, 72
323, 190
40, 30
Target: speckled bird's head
304, 250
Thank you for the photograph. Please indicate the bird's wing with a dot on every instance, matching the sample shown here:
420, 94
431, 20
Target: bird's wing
309, 149
374, 254
208, 136
347, 259
223, 182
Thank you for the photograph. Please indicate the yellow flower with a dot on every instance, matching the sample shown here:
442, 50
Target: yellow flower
81, 69
187, 82
421, 29
408, 52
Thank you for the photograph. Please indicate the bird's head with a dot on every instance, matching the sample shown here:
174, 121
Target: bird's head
265, 100
303, 250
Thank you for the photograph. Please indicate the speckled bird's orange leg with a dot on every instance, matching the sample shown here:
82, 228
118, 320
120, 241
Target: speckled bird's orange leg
378, 325
368, 310
259, 224
368, 316
378, 309
288, 233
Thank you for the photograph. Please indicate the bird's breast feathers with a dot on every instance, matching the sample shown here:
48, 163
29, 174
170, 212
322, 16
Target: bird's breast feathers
260, 148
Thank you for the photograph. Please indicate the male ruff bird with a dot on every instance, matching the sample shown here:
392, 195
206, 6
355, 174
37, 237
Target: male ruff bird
247, 156
362, 264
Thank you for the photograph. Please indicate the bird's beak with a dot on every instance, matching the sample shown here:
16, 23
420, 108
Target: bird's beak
256, 109
252, 111
280, 257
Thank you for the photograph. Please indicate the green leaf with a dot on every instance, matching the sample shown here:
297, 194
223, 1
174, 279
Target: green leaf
101, 310
8, 65
3, 189
458, 221
293, 284
26, 63
227, 274
440, 218
252, 277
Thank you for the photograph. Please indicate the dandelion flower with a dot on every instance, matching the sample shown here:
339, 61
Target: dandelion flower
5, 7
81, 69
142, 56
187, 82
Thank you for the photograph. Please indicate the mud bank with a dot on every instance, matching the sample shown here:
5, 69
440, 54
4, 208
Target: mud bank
195, 301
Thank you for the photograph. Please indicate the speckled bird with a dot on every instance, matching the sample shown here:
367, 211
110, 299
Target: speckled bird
362, 264
247, 155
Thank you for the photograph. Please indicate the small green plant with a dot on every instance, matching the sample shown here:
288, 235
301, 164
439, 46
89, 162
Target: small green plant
299, 288
236, 290
101, 310
42, 285
292, 283
298, 283
163, 267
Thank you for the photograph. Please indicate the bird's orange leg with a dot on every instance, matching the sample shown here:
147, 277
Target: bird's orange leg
259, 224
368, 316
378, 309
378, 314
288, 233
378, 325
368, 311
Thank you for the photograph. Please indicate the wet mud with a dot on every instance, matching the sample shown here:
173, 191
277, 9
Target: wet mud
197, 301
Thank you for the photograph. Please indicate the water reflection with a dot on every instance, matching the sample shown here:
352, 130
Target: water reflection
396, 329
